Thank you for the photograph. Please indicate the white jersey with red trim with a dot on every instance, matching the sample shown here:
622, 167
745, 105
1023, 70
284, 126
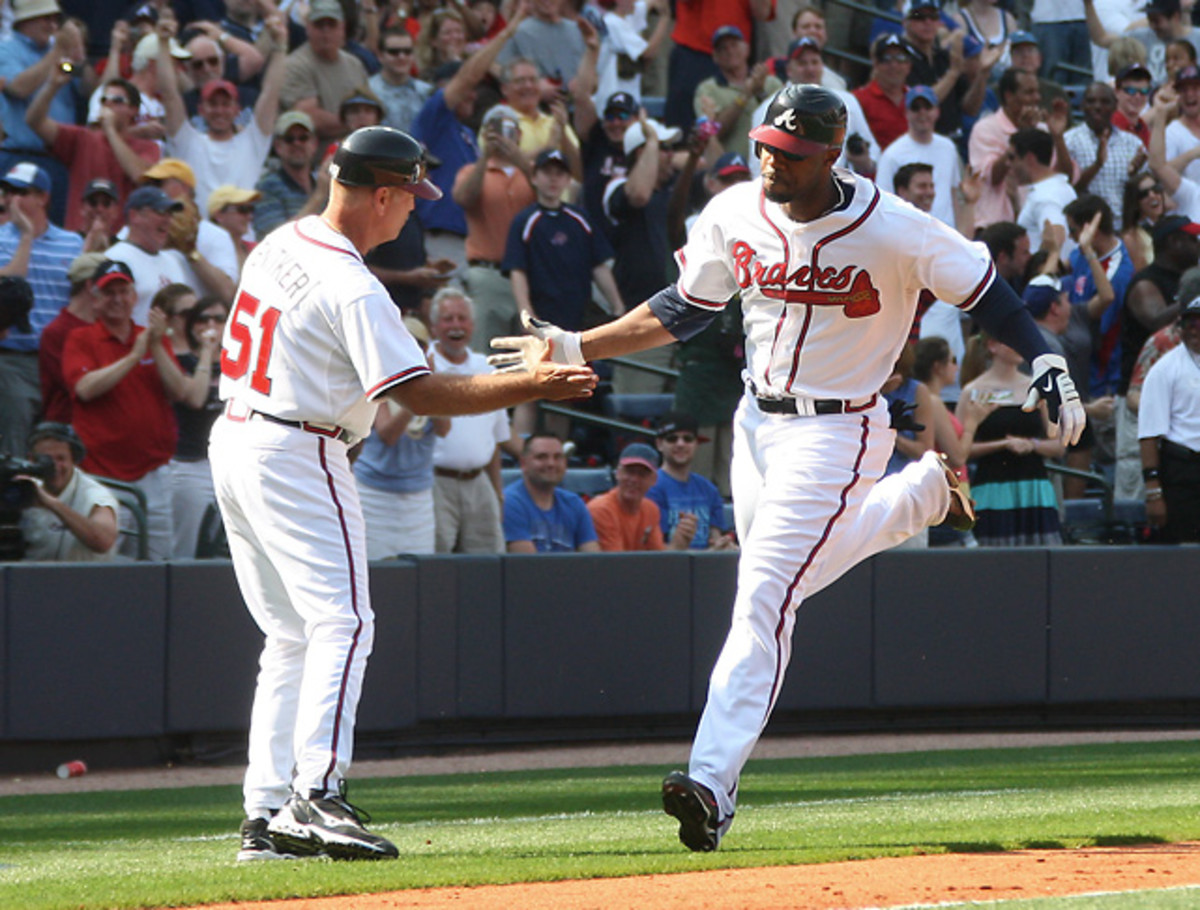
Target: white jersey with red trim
313, 335
828, 303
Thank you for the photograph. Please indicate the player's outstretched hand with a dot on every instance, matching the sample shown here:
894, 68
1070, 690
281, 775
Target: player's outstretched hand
545, 342
1052, 384
559, 381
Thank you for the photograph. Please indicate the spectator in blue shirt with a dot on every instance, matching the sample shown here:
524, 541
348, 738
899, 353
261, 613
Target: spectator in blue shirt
40, 252
37, 45
540, 516
692, 510
553, 252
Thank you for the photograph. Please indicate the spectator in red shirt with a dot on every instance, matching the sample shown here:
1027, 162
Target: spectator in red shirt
107, 150
79, 311
882, 98
124, 379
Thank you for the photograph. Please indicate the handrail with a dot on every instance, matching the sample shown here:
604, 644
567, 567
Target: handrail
610, 423
644, 367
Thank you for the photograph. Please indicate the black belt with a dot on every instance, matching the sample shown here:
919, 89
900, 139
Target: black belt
458, 475
337, 433
819, 405
483, 264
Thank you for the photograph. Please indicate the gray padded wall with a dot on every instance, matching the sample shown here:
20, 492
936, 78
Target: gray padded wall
4, 652
212, 649
1125, 623
596, 634
963, 628
86, 655
389, 697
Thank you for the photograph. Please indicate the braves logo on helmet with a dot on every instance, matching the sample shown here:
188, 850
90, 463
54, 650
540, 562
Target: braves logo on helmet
787, 121
803, 120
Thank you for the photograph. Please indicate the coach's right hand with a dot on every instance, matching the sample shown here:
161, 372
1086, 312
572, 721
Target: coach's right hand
559, 381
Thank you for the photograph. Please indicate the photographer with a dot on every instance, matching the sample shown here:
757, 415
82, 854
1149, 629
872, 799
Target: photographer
74, 517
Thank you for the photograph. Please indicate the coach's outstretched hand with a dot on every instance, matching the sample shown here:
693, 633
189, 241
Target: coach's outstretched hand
524, 352
1052, 384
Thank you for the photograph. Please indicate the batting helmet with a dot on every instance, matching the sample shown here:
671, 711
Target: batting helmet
382, 156
803, 120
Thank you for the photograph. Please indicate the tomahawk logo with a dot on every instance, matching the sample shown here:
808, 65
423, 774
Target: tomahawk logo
787, 120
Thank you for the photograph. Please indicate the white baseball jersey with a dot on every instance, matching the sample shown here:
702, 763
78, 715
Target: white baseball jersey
312, 330
825, 314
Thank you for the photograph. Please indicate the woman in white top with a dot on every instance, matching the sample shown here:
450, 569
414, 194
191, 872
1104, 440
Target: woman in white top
990, 25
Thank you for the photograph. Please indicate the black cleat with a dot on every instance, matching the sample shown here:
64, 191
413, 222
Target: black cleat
258, 844
330, 825
696, 808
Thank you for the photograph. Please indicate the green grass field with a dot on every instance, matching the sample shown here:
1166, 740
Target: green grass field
172, 847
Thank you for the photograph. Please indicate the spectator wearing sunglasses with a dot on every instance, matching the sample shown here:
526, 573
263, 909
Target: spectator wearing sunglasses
692, 510
208, 62
107, 150
1133, 84
1104, 156
401, 92
101, 213
291, 190
232, 208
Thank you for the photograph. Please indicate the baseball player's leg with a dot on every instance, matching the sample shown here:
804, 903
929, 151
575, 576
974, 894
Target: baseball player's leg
481, 531
448, 511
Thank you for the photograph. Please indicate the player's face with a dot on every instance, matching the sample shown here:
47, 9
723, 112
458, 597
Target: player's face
786, 180
678, 449
64, 464
634, 481
545, 464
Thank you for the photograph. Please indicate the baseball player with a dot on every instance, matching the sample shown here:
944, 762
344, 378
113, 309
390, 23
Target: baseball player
313, 344
829, 269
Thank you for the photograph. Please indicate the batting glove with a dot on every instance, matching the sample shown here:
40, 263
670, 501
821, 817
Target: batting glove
1052, 384
525, 352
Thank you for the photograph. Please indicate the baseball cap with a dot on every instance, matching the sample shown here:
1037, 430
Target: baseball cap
24, 10
1162, 7
101, 187
228, 194
151, 197
912, 7
1170, 224
635, 136
1040, 293
147, 50
1022, 37
1192, 310
142, 11
326, 9
171, 169
918, 92
639, 453
888, 42
549, 157
83, 267
1187, 74
111, 270
26, 176
727, 31
731, 164
361, 96
500, 112
213, 86
288, 119
1134, 71
620, 103
678, 422
805, 43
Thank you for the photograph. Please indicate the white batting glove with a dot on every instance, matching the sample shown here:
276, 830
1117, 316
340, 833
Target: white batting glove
1052, 384
525, 352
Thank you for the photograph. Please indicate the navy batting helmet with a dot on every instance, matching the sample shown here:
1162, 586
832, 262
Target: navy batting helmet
382, 156
803, 120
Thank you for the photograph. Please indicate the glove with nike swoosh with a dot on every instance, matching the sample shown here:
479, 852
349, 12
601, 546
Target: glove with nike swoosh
524, 352
1052, 384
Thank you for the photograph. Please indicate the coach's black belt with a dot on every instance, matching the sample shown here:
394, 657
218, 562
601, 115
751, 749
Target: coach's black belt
807, 407
337, 433
483, 264
458, 475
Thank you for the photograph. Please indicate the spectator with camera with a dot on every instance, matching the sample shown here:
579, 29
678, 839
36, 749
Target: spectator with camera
73, 517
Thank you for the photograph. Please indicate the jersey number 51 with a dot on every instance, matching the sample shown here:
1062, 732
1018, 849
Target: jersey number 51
239, 352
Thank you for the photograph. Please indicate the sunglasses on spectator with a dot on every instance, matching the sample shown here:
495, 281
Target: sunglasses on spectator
201, 62
673, 438
14, 190
618, 115
244, 208
925, 17
397, 51
210, 317
1147, 190
114, 99
895, 58
101, 201
295, 138
1134, 90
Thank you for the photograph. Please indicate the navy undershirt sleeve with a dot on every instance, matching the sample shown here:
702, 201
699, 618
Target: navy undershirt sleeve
680, 318
1004, 317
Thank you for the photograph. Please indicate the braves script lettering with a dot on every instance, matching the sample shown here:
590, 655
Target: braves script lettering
849, 287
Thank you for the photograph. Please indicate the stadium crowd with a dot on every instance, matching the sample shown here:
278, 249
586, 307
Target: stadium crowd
144, 151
